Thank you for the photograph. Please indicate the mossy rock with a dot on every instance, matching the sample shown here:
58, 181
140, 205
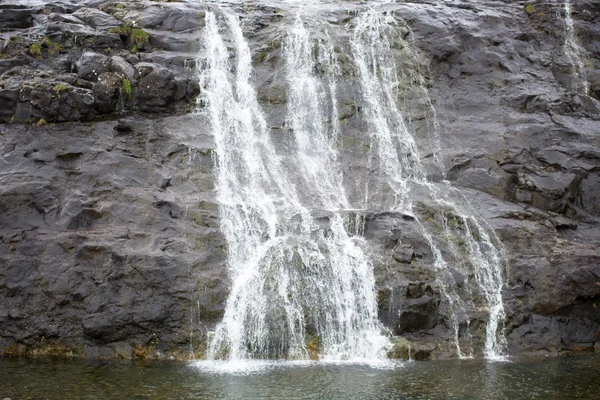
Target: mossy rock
45, 47
55, 350
138, 38
126, 88
60, 88
313, 348
401, 349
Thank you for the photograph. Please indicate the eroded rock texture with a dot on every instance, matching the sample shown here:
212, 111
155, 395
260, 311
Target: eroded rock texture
109, 227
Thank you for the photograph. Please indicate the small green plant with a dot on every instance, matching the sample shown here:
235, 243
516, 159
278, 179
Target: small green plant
36, 50
124, 29
139, 37
120, 6
53, 47
60, 88
126, 88
529, 8
41, 122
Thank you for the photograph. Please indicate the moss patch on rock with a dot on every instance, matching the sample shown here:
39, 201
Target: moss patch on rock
37, 49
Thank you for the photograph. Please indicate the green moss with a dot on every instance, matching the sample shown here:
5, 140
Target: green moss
36, 50
120, 6
41, 122
53, 47
400, 350
12, 350
313, 348
56, 350
529, 8
124, 29
201, 244
126, 88
60, 88
142, 352
139, 37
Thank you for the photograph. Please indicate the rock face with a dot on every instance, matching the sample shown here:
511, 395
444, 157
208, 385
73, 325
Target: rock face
60, 54
109, 227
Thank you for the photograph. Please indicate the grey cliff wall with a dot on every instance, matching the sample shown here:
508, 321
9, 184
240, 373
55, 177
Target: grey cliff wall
109, 230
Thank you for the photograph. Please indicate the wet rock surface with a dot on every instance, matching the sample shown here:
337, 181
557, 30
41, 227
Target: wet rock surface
61, 51
109, 227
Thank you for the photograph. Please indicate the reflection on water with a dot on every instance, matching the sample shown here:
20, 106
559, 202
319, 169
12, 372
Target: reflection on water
562, 378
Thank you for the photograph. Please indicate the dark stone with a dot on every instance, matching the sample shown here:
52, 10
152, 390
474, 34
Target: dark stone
107, 92
91, 65
181, 19
8, 103
418, 315
121, 66
16, 18
157, 91
96, 18
10, 63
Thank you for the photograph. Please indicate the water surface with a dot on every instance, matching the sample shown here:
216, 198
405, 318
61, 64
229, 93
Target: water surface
538, 378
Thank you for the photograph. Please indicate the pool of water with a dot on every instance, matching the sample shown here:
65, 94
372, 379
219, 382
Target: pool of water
538, 378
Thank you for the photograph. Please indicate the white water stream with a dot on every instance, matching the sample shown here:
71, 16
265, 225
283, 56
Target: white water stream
301, 282
375, 44
574, 52
297, 287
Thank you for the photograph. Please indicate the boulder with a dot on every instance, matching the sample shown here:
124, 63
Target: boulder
107, 92
91, 65
96, 18
8, 103
16, 18
157, 91
120, 65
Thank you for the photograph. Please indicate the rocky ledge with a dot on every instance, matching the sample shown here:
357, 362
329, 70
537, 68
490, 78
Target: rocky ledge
109, 231
89, 60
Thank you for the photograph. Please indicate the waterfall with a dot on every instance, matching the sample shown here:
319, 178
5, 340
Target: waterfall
574, 52
302, 283
309, 98
376, 45
301, 287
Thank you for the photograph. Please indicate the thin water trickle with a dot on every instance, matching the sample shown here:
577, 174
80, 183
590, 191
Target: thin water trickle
376, 47
574, 52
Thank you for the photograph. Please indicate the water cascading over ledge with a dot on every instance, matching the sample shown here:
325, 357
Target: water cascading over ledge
472, 254
291, 278
574, 52
302, 281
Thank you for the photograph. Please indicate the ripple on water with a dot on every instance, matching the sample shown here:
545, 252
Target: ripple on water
249, 367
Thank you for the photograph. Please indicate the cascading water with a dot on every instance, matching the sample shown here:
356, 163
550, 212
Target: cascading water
374, 43
574, 52
293, 279
302, 283
309, 98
